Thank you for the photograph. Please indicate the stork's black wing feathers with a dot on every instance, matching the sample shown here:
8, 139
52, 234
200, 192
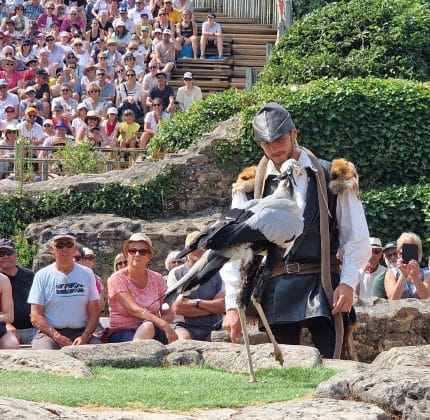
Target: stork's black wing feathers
214, 264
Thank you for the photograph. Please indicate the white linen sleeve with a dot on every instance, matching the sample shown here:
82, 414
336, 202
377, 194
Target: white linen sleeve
230, 274
354, 247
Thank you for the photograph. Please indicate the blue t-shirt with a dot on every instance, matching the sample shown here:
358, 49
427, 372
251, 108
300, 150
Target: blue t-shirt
65, 297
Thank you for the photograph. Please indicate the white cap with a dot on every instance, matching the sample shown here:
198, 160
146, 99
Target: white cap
140, 237
112, 110
88, 251
81, 106
166, 31
188, 75
158, 31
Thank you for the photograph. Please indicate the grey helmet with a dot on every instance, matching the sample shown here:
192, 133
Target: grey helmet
272, 122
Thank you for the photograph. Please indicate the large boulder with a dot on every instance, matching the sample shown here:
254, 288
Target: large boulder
50, 361
401, 390
122, 355
232, 357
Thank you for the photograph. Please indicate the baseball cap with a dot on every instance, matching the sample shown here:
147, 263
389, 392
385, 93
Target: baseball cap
166, 32
62, 232
7, 243
138, 237
61, 124
31, 109
3, 82
58, 107
112, 110
158, 31
188, 75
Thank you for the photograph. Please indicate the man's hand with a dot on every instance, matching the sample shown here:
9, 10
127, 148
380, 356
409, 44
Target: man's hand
62, 341
83, 339
170, 333
342, 298
232, 325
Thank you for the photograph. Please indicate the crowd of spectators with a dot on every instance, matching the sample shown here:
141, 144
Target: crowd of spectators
93, 69
61, 304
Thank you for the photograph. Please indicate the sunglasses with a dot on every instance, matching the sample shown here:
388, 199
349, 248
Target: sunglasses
7, 252
161, 14
102, 58
50, 39
187, 79
89, 257
156, 104
143, 251
92, 118
32, 116
11, 112
130, 75
77, 258
65, 90
48, 8
47, 125
101, 74
63, 245
132, 49
93, 91
78, 45
120, 70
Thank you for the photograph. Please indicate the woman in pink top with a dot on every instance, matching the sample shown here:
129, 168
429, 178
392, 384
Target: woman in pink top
134, 294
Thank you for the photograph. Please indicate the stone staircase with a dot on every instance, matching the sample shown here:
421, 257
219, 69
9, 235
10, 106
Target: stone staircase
244, 46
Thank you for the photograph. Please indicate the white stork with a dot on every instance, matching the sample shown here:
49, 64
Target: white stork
260, 228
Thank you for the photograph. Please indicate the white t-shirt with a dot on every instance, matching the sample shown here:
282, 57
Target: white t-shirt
65, 297
11, 99
32, 134
153, 125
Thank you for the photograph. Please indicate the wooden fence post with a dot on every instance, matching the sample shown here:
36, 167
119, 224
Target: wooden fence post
251, 77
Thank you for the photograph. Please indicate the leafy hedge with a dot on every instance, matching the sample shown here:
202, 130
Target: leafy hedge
380, 125
381, 38
303, 7
395, 210
143, 201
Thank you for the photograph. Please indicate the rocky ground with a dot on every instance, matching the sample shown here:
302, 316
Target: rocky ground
396, 385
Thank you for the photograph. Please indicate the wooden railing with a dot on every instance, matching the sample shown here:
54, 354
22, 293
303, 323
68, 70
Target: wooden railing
264, 11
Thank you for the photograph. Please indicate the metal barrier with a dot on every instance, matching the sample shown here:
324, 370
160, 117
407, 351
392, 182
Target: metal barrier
46, 163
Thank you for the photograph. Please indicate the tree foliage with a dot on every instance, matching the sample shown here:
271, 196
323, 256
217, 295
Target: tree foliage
359, 38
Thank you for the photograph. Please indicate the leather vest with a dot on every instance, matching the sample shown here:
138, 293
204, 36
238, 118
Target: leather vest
307, 247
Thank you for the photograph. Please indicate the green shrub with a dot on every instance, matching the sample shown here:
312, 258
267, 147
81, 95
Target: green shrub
360, 38
303, 7
142, 201
80, 158
186, 128
25, 251
397, 209
380, 125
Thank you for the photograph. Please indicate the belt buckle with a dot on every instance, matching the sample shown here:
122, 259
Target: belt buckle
292, 268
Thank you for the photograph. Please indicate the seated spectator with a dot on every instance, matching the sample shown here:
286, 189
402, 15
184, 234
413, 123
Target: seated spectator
56, 53
40, 43
145, 40
72, 18
165, 52
110, 128
370, 271
9, 118
189, 93
157, 38
88, 260
139, 54
91, 120
152, 122
41, 85
8, 339
130, 64
58, 139
119, 262
186, 32
407, 280
83, 56
79, 121
58, 115
9, 139
22, 23
29, 129
7, 98
198, 314
143, 26
105, 23
123, 19
172, 261
390, 259
135, 12
164, 92
94, 102
67, 102
11, 75
128, 130
45, 20
174, 15
65, 42
113, 55
48, 128
107, 89
103, 64
149, 81
30, 101
163, 21
130, 95
95, 32
135, 292
121, 36
155, 6
24, 53
211, 36
21, 280
89, 77
64, 298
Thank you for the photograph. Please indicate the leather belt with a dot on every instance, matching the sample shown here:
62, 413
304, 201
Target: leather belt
303, 268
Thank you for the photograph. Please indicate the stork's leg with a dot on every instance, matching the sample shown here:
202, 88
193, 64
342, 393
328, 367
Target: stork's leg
242, 318
276, 349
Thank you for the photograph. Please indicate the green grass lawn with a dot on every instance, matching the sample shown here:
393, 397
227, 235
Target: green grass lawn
171, 388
